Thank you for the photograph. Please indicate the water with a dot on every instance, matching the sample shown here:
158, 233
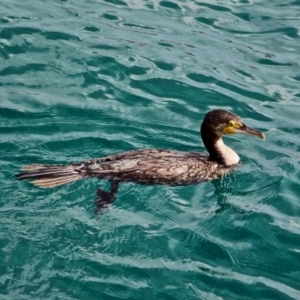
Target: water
82, 79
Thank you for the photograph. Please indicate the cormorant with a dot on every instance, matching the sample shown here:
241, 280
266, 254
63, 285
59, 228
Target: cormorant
152, 166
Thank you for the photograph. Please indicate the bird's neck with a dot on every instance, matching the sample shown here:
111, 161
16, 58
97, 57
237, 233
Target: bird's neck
221, 153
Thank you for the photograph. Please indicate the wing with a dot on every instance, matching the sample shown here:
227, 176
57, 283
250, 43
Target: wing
143, 154
163, 167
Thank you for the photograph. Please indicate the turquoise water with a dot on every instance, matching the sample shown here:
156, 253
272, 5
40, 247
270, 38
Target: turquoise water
82, 79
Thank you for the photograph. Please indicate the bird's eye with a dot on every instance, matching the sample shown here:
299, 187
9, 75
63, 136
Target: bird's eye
230, 123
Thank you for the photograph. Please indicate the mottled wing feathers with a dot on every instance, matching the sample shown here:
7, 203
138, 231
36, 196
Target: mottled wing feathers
139, 154
170, 169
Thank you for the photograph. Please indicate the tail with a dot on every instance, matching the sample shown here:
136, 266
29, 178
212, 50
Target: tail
47, 176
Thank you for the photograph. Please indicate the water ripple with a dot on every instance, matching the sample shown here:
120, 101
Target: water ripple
88, 79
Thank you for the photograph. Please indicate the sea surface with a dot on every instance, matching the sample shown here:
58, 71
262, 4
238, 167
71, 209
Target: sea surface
83, 79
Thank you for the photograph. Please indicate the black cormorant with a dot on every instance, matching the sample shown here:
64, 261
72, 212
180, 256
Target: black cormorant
152, 166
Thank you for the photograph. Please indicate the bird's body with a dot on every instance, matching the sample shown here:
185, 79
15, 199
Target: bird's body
153, 166
145, 166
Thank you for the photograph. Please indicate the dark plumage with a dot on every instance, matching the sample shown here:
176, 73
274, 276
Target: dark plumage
152, 166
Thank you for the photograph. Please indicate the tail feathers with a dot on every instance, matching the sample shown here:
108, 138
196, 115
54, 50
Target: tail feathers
53, 182
50, 175
35, 167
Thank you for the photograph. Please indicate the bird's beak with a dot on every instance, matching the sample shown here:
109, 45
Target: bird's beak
249, 131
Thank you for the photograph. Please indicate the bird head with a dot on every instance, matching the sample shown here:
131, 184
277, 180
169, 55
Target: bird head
221, 122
